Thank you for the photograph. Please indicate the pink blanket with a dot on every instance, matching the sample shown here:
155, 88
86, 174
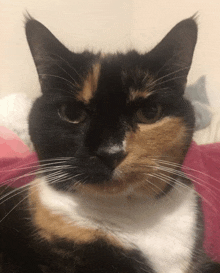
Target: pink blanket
202, 165
16, 161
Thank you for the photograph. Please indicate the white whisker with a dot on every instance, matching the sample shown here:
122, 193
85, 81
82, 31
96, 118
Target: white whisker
158, 81
55, 76
68, 65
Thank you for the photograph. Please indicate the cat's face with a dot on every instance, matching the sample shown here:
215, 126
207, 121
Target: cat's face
114, 118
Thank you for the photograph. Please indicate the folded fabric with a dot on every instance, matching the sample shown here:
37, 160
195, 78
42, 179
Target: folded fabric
202, 165
11, 145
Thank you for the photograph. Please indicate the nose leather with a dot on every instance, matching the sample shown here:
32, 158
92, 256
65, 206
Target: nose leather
111, 156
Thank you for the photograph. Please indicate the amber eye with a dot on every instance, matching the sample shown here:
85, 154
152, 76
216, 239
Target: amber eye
71, 114
149, 115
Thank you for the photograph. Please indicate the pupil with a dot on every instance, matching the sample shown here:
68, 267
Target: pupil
150, 113
72, 113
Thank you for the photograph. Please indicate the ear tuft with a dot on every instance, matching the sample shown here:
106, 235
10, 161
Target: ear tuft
195, 17
27, 17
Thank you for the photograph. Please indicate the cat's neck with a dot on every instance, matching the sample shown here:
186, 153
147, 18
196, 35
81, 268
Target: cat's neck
163, 229
135, 210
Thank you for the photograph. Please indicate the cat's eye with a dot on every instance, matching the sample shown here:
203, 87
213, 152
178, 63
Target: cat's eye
71, 114
149, 115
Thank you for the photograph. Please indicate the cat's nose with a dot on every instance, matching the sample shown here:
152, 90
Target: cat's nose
112, 156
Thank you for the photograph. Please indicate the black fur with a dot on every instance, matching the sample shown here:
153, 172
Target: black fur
24, 251
210, 268
110, 115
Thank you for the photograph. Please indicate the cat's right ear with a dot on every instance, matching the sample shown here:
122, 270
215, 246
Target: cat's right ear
57, 67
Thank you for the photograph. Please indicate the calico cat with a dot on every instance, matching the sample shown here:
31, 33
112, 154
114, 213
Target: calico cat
111, 132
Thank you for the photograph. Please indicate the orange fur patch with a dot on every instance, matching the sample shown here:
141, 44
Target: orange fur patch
163, 140
146, 91
90, 84
136, 94
50, 225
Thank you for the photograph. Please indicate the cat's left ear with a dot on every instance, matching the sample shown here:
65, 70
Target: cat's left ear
171, 59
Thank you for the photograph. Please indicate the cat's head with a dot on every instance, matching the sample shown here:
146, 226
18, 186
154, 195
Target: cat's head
115, 121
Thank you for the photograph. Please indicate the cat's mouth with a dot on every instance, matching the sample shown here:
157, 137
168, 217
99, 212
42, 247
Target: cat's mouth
93, 176
84, 171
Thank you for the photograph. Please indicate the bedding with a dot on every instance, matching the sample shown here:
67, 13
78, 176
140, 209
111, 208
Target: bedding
202, 165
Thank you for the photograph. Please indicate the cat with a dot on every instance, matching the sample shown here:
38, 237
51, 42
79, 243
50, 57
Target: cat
107, 131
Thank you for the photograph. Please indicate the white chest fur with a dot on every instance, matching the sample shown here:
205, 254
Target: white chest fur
163, 230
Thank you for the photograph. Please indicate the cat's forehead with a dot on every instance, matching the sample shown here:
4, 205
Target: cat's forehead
115, 76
